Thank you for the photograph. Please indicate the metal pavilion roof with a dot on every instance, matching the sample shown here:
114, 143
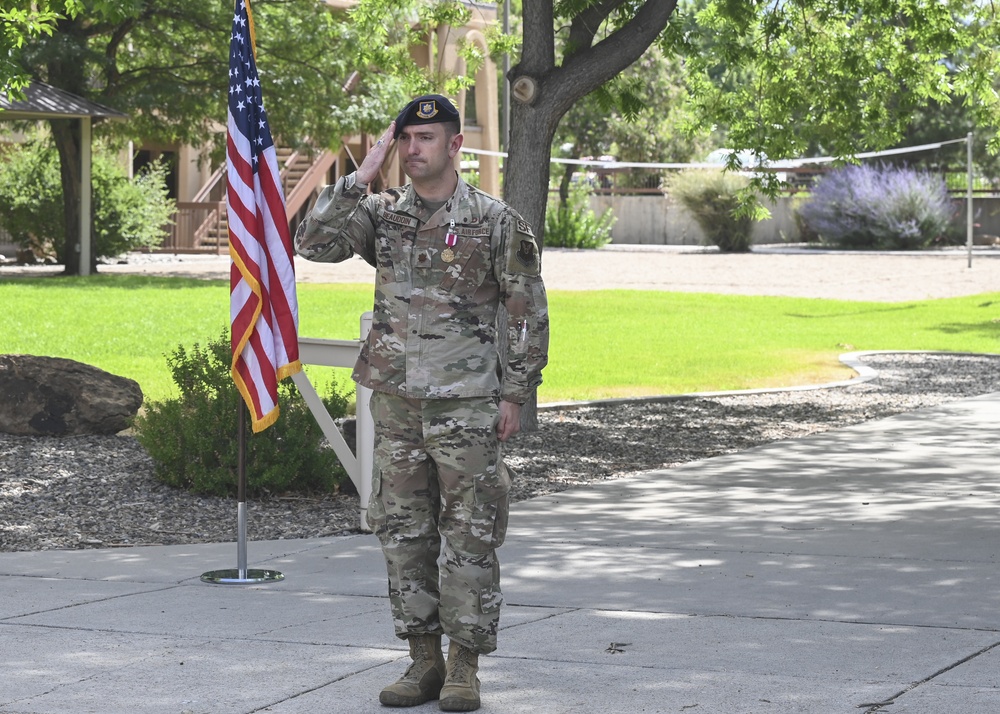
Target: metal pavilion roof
43, 101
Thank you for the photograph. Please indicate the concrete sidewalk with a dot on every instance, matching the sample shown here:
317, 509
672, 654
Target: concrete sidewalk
851, 571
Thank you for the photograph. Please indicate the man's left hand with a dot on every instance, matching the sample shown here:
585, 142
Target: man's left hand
510, 420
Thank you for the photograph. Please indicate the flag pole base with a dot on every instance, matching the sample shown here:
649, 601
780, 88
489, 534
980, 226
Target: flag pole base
234, 576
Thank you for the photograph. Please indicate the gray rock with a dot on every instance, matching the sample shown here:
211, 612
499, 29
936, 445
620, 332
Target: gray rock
52, 396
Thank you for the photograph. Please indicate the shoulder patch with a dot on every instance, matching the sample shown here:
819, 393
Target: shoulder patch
522, 251
527, 255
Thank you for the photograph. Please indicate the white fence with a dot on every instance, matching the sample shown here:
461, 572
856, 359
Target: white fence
655, 219
342, 353
658, 220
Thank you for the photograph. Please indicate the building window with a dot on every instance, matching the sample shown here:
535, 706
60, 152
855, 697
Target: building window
470, 107
146, 156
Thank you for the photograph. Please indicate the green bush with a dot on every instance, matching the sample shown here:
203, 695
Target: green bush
131, 214
805, 232
128, 214
193, 439
712, 197
574, 224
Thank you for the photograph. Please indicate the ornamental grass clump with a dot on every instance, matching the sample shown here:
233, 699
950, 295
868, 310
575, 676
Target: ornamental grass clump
878, 208
193, 439
712, 197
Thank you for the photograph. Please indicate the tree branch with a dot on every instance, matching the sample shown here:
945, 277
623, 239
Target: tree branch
584, 27
585, 70
538, 48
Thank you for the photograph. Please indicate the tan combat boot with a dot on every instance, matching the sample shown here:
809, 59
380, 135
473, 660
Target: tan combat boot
460, 692
423, 678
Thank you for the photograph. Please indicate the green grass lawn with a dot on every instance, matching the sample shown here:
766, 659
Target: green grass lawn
610, 343
624, 343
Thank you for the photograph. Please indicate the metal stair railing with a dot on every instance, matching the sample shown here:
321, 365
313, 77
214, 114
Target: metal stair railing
200, 225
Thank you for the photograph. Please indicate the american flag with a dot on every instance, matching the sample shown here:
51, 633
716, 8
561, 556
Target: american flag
263, 308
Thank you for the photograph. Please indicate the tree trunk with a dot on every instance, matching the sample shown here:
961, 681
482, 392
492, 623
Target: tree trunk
526, 171
66, 70
526, 189
565, 184
66, 134
543, 92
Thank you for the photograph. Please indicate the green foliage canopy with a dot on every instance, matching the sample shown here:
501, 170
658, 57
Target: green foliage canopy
779, 76
20, 24
847, 76
640, 116
164, 64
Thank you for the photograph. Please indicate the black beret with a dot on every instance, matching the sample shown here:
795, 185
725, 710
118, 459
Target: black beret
428, 109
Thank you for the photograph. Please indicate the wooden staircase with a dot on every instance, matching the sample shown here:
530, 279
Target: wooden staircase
201, 225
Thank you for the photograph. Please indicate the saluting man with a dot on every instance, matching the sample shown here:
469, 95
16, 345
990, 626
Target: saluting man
446, 256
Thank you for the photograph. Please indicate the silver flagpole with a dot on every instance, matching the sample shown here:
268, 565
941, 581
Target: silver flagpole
241, 575
968, 197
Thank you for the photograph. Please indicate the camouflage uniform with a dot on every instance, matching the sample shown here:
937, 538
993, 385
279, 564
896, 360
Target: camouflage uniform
440, 488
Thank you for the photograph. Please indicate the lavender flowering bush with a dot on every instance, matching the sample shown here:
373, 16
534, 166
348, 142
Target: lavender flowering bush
878, 207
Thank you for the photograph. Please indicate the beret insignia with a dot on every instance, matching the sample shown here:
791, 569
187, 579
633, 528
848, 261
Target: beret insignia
427, 110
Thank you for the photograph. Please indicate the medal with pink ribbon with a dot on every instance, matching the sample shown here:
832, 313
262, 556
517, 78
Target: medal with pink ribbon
450, 239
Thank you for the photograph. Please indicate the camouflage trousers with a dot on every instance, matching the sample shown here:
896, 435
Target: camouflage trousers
439, 507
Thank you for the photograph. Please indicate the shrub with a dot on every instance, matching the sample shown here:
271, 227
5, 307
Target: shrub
574, 224
193, 439
878, 207
128, 214
805, 231
472, 177
712, 198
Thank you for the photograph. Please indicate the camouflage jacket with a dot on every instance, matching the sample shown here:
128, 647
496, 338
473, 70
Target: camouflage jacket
440, 279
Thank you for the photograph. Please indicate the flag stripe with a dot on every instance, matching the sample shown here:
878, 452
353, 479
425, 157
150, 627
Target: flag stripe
280, 273
263, 307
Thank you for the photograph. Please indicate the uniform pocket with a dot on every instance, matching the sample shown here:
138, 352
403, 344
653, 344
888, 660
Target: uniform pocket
489, 513
375, 516
490, 599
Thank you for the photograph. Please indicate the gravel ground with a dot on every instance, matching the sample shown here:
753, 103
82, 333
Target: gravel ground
99, 492
768, 270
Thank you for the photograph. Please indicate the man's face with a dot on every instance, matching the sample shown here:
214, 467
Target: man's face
427, 151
